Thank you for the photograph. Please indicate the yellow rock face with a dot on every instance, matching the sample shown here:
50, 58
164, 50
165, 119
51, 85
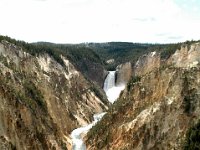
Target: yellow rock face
156, 110
41, 101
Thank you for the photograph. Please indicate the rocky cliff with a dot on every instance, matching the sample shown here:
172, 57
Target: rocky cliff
123, 73
157, 108
147, 63
41, 101
186, 57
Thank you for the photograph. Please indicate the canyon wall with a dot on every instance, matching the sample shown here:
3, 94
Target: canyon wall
157, 108
147, 63
41, 101
123, 73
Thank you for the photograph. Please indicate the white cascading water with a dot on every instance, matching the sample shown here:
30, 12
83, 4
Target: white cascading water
77, 141
109, 81
112, 93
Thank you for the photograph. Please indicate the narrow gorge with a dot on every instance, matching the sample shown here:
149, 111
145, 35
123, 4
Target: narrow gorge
61, 97
112, 92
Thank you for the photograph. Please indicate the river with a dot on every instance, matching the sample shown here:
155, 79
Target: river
112, 91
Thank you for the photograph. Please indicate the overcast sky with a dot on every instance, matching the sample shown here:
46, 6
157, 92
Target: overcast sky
76, 21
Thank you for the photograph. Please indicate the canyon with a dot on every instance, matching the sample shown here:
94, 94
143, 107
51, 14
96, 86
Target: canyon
112, 91
52, 100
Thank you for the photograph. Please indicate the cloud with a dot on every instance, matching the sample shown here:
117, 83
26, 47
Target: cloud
74, 21
175, 37
162, 34
40, 0
144, 19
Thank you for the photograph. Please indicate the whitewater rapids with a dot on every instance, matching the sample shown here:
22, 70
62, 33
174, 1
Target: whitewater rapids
77, 141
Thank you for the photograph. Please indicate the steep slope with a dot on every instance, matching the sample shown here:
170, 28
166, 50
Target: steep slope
89, 63
116, 53
147, 63
158, 106
83, 58
41, 101
123, 73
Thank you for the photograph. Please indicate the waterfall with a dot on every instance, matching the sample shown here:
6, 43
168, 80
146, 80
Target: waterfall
109, 81
112, 91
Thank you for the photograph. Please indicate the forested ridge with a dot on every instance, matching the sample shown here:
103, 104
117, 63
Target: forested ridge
97, 53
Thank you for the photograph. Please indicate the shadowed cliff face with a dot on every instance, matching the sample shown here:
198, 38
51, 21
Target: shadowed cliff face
156, 109
93, 71
41, 101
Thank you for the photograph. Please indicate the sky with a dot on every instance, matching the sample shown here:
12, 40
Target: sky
78, 21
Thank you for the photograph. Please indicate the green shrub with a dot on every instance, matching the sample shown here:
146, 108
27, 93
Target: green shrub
133, 80
32, 92
193, 138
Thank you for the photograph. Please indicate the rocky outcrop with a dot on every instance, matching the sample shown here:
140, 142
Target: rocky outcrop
147, 63
110, 61
186, 57
41, 101
156, 109
123, 73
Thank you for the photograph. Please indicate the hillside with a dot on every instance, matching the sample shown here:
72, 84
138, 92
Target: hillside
84, 59
116, 53
43, 97
159, 109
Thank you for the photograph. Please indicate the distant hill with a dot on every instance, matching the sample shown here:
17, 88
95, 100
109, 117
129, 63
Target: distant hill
122, 52
91, 58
